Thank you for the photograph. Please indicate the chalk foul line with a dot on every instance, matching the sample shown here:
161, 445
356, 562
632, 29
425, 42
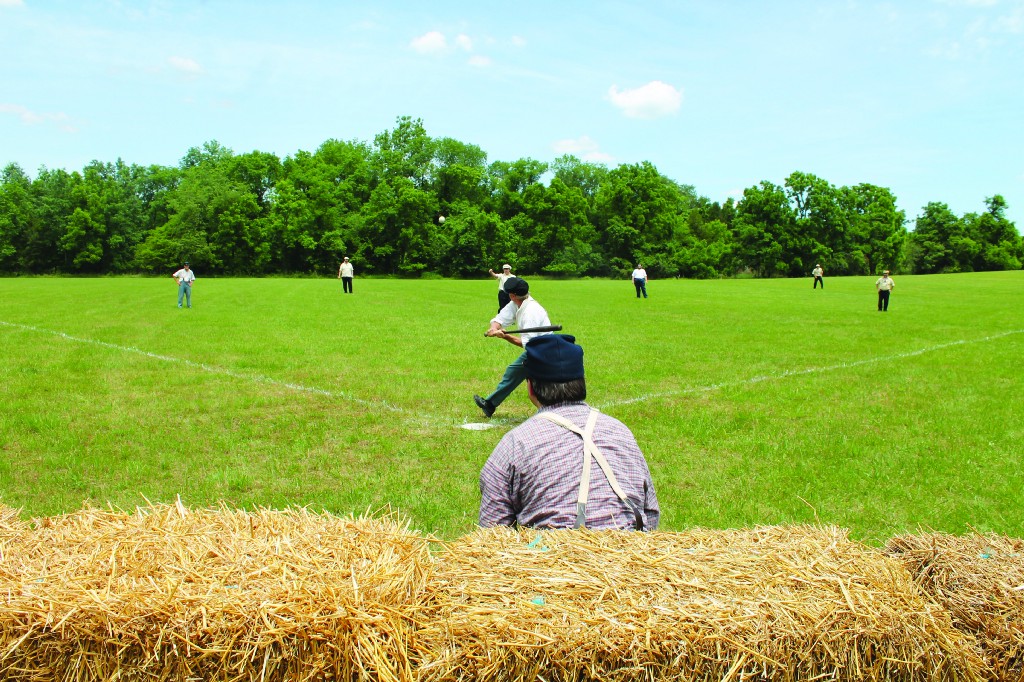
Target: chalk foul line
259, 378
800, 372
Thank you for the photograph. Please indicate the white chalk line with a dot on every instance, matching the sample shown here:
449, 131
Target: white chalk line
257, 378
802, 372
435, 419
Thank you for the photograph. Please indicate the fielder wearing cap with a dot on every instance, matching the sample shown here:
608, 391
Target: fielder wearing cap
818, 272
523, 311
884, 286
345, 273
502, 277
184, 277
534, 476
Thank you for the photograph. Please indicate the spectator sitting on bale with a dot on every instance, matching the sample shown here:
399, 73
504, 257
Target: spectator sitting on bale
540, 473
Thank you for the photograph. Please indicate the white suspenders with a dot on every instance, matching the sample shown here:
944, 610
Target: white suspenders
590, 453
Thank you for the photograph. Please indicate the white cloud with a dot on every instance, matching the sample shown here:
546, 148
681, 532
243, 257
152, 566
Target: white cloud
29, 117
1012, 22
479, 60
653, 100
982, 35
583, 148
430, 43
189, 67
465, 42
12, 3
519, 41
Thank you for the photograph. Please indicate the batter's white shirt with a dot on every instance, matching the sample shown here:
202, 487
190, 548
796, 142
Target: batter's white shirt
639, 273
816, 272
184, 275
346, 270
531, 314
884, 283
501, 279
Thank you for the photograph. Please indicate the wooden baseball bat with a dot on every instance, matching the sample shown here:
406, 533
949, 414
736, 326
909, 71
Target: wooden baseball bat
531, 330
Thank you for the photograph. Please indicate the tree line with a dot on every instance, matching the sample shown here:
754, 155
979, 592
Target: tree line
380, 203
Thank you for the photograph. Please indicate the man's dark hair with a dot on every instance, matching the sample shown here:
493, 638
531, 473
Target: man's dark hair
554, 392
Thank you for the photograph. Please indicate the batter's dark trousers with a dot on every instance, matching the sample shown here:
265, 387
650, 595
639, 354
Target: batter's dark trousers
883, 300
346, 283
819, 279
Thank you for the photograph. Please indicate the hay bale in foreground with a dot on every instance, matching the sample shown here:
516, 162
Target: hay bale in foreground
779, 603
11, 530
10, 522
168, 593
979, 579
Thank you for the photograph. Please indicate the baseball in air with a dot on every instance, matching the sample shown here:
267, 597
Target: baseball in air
441, 220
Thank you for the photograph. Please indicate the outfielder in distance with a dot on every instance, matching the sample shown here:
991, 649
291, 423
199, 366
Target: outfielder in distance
184, 277
525, 313
502, 277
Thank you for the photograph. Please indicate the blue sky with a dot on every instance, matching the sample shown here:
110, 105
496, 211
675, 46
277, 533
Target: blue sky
925, 97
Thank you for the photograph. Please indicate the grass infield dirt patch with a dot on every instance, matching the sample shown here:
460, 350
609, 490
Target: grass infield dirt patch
979, 579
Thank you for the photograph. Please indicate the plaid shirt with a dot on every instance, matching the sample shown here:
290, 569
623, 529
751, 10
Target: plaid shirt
533, 476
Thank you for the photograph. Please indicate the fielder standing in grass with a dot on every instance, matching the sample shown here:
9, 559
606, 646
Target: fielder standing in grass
502, 277
534, 476
640, 280
884, 285
523, 311
817, 272
184, 278
345, 273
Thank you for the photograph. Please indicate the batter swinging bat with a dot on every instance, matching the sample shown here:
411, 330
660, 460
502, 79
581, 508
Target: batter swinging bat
531, 330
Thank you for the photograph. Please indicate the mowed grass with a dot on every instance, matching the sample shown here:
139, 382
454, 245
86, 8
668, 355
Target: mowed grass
755, 401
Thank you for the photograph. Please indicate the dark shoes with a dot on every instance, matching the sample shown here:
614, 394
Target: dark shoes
484, 405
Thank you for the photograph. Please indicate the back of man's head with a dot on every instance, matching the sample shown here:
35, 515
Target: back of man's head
554, 366
517, 286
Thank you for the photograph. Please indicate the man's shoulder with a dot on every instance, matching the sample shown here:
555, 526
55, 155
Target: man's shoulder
535, 305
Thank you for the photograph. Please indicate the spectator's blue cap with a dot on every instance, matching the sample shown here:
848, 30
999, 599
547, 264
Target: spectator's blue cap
554, 357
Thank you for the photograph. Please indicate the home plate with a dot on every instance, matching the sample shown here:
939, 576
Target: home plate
477, 426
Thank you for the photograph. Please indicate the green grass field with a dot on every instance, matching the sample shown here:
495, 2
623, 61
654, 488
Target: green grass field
755, 401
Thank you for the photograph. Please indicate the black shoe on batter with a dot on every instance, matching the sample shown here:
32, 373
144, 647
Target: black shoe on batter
484, 405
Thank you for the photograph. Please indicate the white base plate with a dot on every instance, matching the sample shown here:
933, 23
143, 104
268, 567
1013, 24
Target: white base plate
477, 426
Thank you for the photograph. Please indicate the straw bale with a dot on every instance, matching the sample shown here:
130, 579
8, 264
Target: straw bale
168, 593
10, 521
979, 578
11, 530
779, 603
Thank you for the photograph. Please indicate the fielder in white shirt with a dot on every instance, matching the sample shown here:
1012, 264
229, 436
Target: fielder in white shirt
640, 280
884, 285
184, 278
345, 273
502, 277
524, 312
